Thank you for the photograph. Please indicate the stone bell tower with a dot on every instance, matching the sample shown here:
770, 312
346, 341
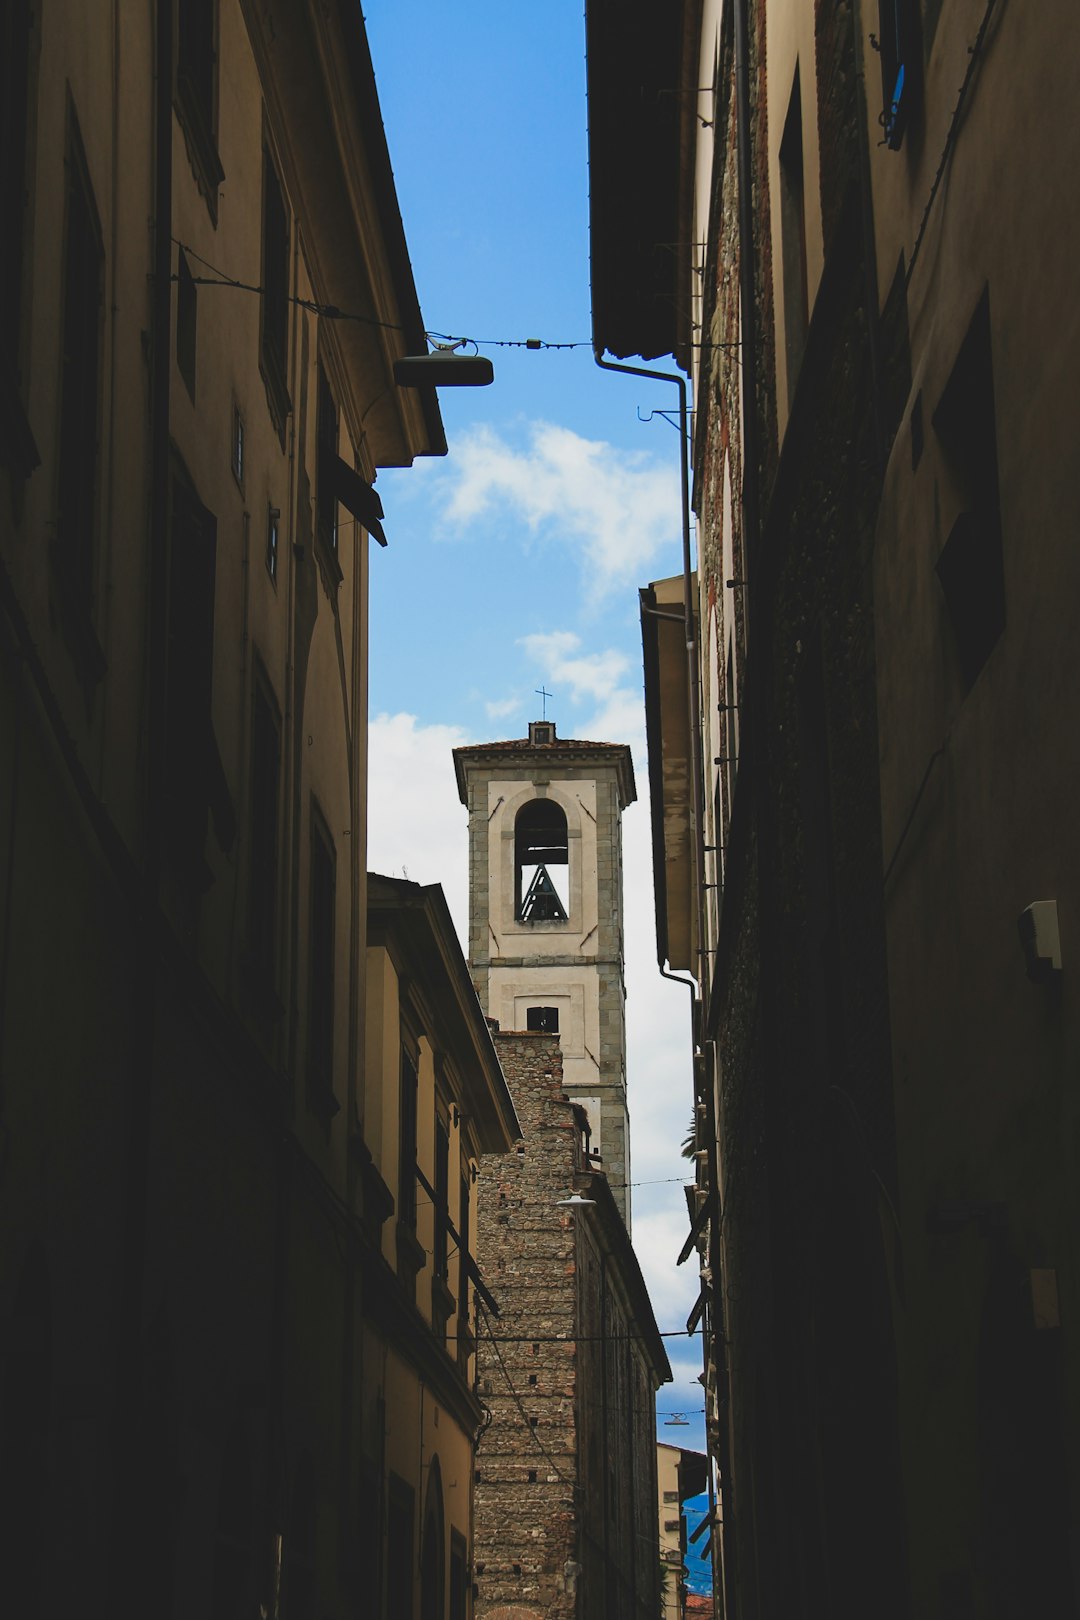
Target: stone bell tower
546, 911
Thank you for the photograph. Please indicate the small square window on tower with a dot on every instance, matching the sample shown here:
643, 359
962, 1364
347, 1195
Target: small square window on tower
544, 1020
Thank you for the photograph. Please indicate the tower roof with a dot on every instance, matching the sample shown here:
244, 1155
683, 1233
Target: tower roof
531, 750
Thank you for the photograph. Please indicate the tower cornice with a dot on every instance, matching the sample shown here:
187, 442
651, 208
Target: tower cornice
522, 754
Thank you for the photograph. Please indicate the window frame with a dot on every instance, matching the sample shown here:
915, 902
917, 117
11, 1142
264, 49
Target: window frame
274, 303
80, 393
321, 999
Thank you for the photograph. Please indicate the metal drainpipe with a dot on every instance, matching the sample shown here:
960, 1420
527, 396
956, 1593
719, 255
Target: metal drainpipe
751, 526
146, 977
691, 641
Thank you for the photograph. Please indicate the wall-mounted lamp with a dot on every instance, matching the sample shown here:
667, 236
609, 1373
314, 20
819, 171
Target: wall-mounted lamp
444, 368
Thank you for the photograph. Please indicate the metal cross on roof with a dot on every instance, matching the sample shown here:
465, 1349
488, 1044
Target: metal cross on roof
541, 692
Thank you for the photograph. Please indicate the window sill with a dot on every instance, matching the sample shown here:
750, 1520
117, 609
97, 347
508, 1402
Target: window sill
442, 1305
411, 1254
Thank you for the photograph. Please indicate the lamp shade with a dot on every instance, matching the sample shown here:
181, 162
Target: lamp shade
443, 369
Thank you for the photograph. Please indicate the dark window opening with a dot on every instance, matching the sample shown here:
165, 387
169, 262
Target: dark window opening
80, 383
407, 1142
273, 522
541, 843
459, 1575
196, 91
543, 1019
15, 26
400, 1557
323, 879
900, 48
263, 871
237, 451
433, 1550
442, 1197
186, 322
793, 238
971, 565
326, 437
194, 777
274, 305
465, 1234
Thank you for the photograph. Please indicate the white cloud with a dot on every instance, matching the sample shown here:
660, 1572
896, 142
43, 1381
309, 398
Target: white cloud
619, 508
590, 675
499, 708
417, 826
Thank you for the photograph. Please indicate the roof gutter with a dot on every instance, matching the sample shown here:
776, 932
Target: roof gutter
691, 642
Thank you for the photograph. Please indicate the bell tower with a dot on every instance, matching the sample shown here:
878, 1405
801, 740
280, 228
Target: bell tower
546, 911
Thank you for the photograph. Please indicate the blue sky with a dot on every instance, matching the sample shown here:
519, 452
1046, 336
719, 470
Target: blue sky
515, 561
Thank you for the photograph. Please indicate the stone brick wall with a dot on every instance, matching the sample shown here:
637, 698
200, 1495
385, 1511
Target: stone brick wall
525, 1557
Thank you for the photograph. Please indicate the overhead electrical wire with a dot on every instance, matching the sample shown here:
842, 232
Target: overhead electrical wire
332, 312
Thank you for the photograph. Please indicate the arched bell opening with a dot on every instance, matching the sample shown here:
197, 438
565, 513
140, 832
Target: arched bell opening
541, 863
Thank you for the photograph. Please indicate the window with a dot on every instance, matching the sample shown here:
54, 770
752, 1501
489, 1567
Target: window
263, 866
543, 1019
407, 1141
186, 322
465, 1238
17, 448
540, 843
326, 435
323, 884
194, 780
900, 47
273, 521
793, 238
442, 1195
196, 92
80, 382
459, 1576
274, 304
671, 1496
400, 1560
971, 565
433, 1550
237, 452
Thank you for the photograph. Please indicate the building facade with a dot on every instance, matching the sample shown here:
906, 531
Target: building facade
829, 216
680, 1474
223, 1322
436, 1102
546, 909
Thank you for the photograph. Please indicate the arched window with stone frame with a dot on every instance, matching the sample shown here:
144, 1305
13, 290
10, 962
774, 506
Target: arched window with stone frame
541, 863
